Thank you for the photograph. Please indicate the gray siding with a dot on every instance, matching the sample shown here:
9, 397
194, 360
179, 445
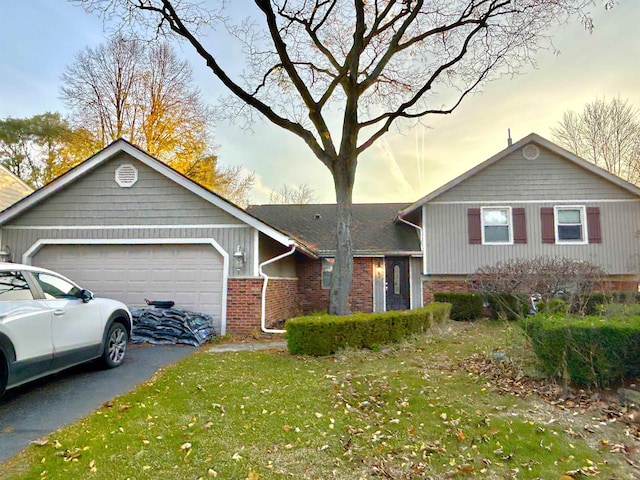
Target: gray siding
548, 177
22, 239
96, 208
96, 199
448, 250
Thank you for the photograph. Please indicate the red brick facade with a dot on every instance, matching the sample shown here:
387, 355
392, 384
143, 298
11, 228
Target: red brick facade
459, 284
244, 303
282, 301
314, 298
446, 284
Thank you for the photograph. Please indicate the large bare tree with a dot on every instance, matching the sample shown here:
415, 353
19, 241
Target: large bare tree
605, 133
340, 73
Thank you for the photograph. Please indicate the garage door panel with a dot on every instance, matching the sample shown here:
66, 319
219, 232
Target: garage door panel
190, 275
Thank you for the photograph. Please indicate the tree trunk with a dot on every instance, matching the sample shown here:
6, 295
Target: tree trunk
343, 178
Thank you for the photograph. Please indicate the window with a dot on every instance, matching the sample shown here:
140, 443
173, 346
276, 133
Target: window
327, 268
14, 287
56, 287
570, 224
496, 225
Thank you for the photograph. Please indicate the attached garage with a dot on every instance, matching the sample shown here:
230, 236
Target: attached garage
148, 233
192, 275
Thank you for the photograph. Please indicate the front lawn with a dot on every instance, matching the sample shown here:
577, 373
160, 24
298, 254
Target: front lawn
425, 408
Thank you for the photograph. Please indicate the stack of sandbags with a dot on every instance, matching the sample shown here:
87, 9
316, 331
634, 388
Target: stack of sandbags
168, 326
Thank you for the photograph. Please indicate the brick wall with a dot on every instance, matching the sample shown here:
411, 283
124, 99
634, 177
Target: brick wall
282, 301
451, 284
313, 297
244, 303
446, 284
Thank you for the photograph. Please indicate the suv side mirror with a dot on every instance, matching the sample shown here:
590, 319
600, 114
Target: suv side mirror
85, 295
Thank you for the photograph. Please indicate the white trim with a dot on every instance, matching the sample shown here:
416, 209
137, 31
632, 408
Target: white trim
509, 224
425, 265
583, 224
121, 227
519, 201
256, 253
31, 251
113, 150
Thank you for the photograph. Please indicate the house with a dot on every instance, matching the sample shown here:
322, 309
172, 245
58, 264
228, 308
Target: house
12, 188
387, 257
127, 226
530, 200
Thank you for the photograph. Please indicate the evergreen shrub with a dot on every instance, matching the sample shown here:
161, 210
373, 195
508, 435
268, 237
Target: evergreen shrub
464, 306
586, 351
326, 334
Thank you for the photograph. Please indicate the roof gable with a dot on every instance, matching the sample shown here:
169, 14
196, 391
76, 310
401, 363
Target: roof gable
121, 146
563, 155
12, 188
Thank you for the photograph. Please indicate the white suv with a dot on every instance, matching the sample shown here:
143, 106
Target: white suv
48, 323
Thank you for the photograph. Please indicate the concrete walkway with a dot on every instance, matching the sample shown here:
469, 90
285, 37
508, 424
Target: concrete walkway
247, 347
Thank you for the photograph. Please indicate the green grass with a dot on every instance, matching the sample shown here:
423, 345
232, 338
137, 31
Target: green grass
407, 411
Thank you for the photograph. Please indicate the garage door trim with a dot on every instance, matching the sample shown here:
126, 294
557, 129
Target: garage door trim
31, 252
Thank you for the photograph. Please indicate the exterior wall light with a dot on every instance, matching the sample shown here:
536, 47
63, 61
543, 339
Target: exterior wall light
5, 254
239, 258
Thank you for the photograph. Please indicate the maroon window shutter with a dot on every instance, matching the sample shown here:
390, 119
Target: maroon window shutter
593, 225
475, 227
547, 226
519, 225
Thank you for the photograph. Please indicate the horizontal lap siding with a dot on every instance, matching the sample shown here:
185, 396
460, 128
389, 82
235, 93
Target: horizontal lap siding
20, 240
548, 177
96, 201
449, 252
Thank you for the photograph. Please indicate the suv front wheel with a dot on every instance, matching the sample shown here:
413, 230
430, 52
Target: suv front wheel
115, 346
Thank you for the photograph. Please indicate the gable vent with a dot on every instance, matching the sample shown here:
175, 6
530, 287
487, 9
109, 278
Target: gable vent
126, 175
530, 152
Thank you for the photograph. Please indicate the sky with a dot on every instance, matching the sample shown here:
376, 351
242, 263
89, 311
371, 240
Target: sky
38, 38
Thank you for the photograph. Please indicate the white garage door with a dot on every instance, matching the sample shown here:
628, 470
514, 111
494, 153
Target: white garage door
190, 275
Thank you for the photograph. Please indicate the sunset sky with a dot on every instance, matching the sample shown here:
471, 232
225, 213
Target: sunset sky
38, 38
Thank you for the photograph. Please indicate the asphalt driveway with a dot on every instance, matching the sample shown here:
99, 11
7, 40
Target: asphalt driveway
41, 407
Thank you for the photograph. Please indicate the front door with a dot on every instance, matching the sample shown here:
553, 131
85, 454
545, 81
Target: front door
397, 283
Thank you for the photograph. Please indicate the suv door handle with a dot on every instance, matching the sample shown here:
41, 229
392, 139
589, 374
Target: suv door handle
59, 312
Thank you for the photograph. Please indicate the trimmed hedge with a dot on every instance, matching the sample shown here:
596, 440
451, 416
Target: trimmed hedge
326, 334
509, 306
464, 306
586, 351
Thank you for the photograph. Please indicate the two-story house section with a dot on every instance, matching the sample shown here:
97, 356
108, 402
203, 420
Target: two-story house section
532, 199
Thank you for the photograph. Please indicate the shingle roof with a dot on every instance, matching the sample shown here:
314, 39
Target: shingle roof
375, 230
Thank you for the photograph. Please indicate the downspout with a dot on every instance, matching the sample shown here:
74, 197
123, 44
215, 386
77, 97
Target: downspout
263, 313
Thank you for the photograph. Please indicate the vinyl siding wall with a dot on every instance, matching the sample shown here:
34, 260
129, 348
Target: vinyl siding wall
449, 252
546, 181
548, 177
96, 208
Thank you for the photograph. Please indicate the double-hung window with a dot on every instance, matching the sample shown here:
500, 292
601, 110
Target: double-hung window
570, 224
496, 225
